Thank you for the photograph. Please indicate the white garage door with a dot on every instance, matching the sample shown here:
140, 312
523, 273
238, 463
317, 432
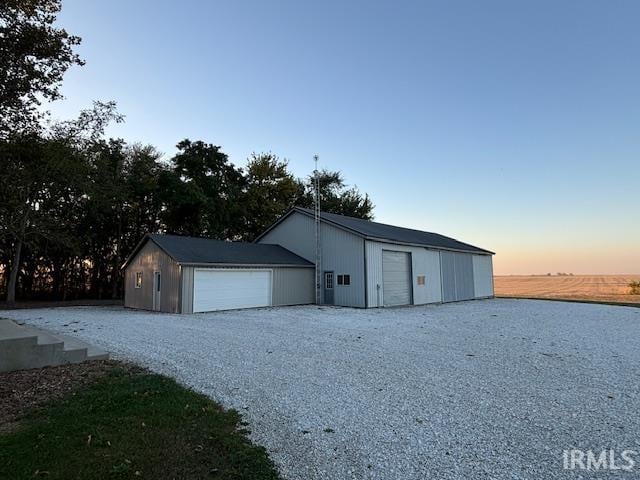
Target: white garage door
229, 289
396, 278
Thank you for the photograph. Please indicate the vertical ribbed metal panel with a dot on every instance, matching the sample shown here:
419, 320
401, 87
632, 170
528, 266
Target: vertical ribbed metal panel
151, 259
464, 276
396, 278
342, 253
448, 263
374, 274
187, 290
483, 276
295, 233
293, 286
423, 263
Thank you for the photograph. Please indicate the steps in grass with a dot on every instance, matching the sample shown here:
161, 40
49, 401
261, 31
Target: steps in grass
23, 346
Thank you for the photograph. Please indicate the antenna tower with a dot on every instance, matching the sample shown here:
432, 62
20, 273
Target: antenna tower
316, 211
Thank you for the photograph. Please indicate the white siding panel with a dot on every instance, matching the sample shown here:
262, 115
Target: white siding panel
227, 289
482, 276
423, 262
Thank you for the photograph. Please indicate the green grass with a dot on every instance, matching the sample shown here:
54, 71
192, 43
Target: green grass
132, 425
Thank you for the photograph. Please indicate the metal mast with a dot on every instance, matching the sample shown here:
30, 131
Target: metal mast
316, 211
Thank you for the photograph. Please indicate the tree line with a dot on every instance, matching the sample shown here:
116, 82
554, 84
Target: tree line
74, 203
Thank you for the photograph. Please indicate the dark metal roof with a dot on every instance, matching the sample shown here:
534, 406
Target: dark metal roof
197, 250
381, 231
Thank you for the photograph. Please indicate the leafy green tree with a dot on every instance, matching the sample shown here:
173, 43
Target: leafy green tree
144, 170
34, 56
202, 192
38, 182
42, 177
336, 196
104, 221
121, 203
271, 190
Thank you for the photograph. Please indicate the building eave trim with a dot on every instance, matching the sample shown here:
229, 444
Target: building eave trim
243, 265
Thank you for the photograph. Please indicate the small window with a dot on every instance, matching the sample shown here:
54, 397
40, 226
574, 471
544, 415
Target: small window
421, 279
328, 280
340, 279
138, 279
347, 279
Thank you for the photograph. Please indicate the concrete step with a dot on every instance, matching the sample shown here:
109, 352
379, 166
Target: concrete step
92, 352
10, 330
24, 346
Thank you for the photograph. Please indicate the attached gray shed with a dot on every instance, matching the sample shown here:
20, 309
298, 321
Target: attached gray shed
370, 264
176, 274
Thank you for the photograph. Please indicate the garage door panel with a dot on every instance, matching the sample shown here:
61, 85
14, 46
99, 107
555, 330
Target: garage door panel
230, 289
396, 278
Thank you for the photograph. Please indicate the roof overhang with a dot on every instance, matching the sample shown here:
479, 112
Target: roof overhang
243, 265
428, 247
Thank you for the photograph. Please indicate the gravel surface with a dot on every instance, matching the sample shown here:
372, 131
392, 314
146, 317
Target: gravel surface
482, 389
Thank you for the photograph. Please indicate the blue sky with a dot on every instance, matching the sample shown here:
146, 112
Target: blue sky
512, 125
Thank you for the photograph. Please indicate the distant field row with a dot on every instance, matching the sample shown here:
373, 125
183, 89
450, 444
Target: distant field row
607, 288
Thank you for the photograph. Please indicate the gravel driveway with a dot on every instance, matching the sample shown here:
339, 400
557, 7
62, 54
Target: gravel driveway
481, 389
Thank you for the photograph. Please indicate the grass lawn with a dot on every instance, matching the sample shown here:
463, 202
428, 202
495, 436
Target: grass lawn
129, 423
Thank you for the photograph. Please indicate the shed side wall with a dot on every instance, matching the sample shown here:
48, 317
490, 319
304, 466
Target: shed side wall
152, 259
342, 253
293, 286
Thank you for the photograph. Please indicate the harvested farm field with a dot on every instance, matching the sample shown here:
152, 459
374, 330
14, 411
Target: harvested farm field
602, 288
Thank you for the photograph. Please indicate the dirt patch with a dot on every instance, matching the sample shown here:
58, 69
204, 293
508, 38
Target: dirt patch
24, 390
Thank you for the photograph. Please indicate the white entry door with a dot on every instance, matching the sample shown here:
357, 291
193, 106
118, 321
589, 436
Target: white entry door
229, 289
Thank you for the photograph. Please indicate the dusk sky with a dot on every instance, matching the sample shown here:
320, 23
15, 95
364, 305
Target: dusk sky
511, 125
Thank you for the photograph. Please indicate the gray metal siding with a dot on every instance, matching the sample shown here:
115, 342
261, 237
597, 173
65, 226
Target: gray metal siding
293, 286
187, 289
457, 276
152, 259
295, 233
396, 277
448, 265
464, 276
342, 252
